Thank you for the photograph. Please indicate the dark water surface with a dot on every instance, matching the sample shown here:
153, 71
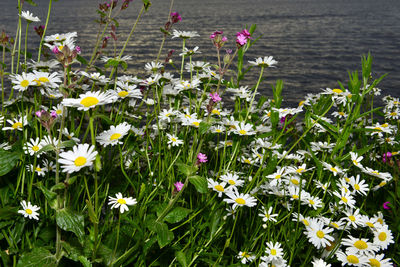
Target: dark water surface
315, 41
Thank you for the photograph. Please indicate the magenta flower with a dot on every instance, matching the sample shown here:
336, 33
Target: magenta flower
386, 205
55, 50
39, 113
78, 49
54, 114
175, 17
215, 97
178, 186
242, 37
202, 158
214, 34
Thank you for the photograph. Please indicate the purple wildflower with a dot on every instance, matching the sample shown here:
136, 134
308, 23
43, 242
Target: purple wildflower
386, 205
178, 186
202, 158
215, 97
175, 17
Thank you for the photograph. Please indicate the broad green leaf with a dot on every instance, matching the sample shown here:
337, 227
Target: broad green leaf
72, 221
37, 257
200, 183
48, 194
81, 60
85, 262
186, 169
177, 214
7, 161
203, 127
7, 213
180, 256
164, 235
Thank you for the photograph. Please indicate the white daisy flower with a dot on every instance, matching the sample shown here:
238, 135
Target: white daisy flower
22, 81
335, 170
114, 135
360, 246
190, 52
239, 199
81, 156
218, 187
39, 170
245, 257
96, 76
351, 258
318, 235
172, 139
46, 79
242, 128
267, 215
121, 202
383, 237
273, 251
184, 34
29, 211
264, 62
359, 186
346, 198
378, 260
33, 146
356, 159
232, 179
153, 67
58, 110
29, 16
90, 100
320, 263
70, 135
16, 124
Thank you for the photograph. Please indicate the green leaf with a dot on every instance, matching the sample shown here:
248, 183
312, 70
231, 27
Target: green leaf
69, 143
72, 221
164, 235
31, 2
85, 262
48, 194
180, 256
101, 116
92, 214
186, 169
203, 127
7, 213
200, 183
46, 148
81, 60
177, 214
37, 257
7, 161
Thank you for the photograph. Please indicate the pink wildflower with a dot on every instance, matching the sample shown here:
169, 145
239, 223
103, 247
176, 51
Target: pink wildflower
175, 17
215, 97
242, 37
55, 50
202, 158
386, 205
178, 186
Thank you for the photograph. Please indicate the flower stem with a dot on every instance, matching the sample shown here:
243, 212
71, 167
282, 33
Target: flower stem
44, 31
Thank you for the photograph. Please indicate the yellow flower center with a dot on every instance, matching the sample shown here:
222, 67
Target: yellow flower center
352, 218
378, 129
382, 183
380, 221
295, 181
59, 111
385, 125
44, 79
320, 234
89, 101
335, 225
35, 148
196, 123
382, 236
219, 188
218, 130
121, 201
240, 201
344, 200
370, 224
247, 161
341, 113
115, 136
356, 186
393, 114
123, 94
229, 143
301, 103
278, 177
352, 259
29, 211
295, 196
173, 139
24, 83
16, 125
231, 182
360, 244
306, 223
333, 169
60, 47
311, 201
273, 251
243, 132
355, 162
374, 262
38, 169
216, 111
300, 170
337, 91
80, 161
